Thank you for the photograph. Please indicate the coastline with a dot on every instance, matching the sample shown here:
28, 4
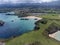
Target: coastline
2, 41
53, 35
33, 17
36, 19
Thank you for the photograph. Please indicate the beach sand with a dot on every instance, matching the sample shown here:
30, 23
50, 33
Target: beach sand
33, 17
53, 35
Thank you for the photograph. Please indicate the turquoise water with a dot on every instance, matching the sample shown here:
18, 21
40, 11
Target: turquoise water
15, 28
57, 37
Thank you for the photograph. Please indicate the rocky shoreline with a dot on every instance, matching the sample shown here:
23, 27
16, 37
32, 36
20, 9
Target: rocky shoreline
52, 30
42, 21
36, 23
1, 23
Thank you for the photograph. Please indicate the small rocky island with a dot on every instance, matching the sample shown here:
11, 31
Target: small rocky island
1, 23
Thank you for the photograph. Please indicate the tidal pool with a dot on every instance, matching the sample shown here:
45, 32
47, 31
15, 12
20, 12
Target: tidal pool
14, 26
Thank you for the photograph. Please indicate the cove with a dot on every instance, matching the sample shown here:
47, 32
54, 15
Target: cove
14, 26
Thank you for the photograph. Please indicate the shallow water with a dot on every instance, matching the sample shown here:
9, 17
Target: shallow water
15, 27
57, 37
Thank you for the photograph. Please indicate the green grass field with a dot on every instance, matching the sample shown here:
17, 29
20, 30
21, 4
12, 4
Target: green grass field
34, 36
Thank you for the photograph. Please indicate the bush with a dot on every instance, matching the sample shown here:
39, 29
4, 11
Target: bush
35, 43
43, 21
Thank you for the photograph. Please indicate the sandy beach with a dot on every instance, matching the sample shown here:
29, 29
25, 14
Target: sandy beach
53, 35
33, 17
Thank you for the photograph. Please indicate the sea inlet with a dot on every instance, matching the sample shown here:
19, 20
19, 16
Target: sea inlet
15, 26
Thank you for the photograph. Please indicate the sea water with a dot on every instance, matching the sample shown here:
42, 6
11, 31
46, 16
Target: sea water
14, 26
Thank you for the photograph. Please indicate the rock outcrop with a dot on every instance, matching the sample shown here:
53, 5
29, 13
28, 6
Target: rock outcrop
1, 23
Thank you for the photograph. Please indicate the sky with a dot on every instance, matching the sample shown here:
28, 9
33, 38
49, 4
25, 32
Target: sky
25, 1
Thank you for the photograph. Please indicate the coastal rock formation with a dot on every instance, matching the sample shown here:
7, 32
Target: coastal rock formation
12, 20
53, 28
36, 28
42, 21
24, 19
1, 23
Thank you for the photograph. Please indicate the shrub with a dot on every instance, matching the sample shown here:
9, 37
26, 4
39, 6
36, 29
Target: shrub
43, 21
